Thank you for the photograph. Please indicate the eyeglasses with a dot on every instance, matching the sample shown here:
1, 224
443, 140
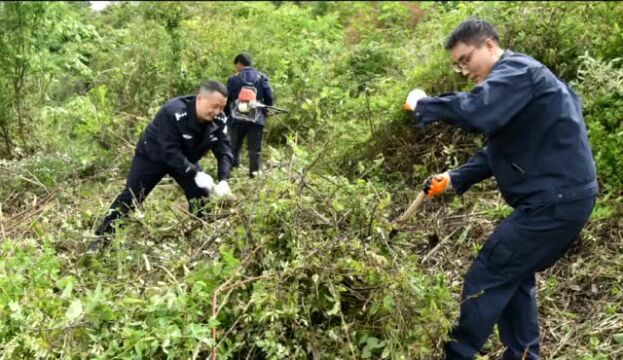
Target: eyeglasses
461, 65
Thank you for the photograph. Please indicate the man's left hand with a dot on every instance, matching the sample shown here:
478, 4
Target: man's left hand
412, 99
222, 190
436, 185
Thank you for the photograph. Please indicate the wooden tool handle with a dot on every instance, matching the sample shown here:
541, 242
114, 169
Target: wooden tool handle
412, 208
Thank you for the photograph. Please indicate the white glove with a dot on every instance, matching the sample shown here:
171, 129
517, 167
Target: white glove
222, 190
204, 181
412, 99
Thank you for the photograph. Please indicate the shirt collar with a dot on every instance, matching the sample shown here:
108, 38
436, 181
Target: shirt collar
193, 121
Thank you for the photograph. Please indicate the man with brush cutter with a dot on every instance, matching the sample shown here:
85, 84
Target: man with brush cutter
250, 97
538, 151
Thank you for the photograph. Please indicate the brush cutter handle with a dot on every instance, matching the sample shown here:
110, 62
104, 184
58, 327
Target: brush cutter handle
272, 108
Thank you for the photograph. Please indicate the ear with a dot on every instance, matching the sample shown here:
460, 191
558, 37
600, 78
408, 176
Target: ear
490, 44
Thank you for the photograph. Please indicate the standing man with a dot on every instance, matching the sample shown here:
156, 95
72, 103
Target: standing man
538, 151
183, 131
245, 125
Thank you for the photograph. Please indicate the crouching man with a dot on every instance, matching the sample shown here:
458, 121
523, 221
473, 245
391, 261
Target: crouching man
184, 130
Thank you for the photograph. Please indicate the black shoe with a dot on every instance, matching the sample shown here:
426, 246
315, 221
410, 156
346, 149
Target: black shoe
100, 243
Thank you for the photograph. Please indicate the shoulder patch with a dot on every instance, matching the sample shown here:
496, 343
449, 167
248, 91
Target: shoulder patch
179, 115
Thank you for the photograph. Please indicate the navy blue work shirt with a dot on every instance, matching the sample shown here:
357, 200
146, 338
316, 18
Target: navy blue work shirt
264, 91
537, 145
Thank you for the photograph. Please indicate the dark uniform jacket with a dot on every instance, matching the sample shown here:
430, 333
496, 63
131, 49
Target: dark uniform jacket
537, 146
176, 139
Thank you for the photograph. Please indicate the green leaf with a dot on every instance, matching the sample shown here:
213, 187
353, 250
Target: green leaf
315, 278
213, 323
74, 311
388, 302
336, 308
68, 289
386, 353
618, 338
374, 343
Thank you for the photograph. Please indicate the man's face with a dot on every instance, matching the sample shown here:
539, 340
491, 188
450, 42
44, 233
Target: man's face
475, 62
239, 67
209, 105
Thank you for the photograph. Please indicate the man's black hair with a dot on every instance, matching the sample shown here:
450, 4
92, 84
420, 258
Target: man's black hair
214, 86
472, 32
244, 59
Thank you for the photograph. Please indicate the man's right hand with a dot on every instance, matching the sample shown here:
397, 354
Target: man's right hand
204, 181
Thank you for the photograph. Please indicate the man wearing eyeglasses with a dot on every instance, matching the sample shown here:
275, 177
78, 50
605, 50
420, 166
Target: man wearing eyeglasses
538, 151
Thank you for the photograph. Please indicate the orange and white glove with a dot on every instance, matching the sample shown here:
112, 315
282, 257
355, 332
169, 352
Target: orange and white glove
437, 184
412, 99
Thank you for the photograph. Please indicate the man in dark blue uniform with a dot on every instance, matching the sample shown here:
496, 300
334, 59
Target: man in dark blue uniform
538, 151
183, 131
243, 126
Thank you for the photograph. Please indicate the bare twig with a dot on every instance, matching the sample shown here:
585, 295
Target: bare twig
36, 209
442, 242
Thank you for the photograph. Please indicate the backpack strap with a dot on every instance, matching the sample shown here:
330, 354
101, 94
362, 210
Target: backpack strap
245, 80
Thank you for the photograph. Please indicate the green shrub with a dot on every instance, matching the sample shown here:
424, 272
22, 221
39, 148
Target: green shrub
601, 85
